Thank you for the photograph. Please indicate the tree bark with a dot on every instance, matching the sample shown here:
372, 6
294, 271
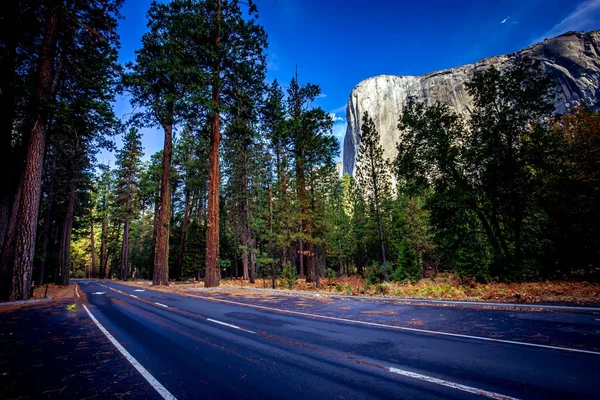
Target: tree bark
32, 176
65, 240
161, 253
212, 276
8, 251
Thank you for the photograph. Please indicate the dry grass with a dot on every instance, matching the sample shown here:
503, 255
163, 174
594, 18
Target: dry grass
446, 288
449, 288
57, 292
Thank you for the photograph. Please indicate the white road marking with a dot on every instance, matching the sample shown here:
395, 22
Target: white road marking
452, 385
76, 291
229, 325
151, 380
99, 293
133, 295
162, 305
401, 328
139, 290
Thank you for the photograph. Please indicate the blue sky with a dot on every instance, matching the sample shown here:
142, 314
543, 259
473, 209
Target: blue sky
338, 43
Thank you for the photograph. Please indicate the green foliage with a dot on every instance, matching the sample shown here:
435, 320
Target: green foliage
470, 263
483, 173
382, 288
194, 253
378, 272
408, 266
289, 275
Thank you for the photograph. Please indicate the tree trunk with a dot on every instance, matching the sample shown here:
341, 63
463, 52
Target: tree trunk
65, 239
8, 251
211, 278
32, 176
93, 252
161, 253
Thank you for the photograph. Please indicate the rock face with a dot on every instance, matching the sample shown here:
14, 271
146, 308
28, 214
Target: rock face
573, 59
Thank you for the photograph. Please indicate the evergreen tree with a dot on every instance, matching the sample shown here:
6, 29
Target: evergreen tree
373, 175
128, 170
160, 81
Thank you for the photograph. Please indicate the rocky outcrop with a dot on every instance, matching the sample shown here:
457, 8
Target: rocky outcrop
573, 59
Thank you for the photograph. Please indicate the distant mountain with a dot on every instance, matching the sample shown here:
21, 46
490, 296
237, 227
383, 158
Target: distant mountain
573, 59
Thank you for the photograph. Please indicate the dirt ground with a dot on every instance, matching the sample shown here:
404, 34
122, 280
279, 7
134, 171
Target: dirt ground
56, 292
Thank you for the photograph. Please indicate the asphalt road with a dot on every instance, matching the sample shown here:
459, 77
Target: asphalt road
220, 346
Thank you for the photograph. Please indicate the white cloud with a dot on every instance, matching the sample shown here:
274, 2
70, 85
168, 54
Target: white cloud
505, 19
321, 96
585, 17
335, 118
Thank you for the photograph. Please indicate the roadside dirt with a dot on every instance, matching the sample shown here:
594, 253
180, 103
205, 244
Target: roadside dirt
56, 292
550, 292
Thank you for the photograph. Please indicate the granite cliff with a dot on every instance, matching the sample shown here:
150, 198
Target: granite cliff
573, 59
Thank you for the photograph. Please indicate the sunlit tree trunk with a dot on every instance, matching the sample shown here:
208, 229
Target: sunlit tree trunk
161, 253
212, 277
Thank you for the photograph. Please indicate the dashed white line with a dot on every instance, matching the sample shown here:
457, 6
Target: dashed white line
449, 384
162, 305
76, 291
133, 295
401, 328
229, 325
165, 394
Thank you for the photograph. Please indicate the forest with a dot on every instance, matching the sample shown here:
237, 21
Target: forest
246, 186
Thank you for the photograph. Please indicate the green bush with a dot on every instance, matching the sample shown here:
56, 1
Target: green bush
470, 263
377, 273
338, 288
408, 264
382, 288
289, 275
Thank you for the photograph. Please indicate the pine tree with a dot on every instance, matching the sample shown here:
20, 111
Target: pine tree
159, 82
236, 61
128, 170
373, 175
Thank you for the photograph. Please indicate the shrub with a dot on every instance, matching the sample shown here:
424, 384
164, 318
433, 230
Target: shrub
348, 290
408, 264
378, 273
470, 263
382, 288
289, 275
338, 288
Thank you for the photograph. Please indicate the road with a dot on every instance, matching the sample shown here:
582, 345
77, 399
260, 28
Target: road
217, 346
